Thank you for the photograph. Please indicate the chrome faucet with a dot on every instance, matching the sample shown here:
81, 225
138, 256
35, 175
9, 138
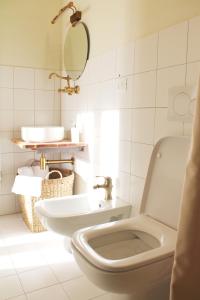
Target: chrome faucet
107, 185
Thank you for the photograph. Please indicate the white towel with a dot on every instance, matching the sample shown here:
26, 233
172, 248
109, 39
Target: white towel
26, 171
40, 173
27, 185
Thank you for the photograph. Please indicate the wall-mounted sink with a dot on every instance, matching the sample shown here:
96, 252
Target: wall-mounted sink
42, 134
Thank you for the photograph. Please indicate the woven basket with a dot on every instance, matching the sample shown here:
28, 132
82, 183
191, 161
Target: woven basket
51, 188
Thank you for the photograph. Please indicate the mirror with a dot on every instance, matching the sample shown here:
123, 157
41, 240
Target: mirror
76, 50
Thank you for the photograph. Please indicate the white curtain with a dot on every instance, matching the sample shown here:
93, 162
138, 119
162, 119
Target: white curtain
185, 284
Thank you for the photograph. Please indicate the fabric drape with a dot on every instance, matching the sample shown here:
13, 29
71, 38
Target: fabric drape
185, 283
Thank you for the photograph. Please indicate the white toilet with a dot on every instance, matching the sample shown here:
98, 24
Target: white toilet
133, 258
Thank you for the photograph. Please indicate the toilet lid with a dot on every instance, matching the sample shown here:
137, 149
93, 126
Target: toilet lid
162, 193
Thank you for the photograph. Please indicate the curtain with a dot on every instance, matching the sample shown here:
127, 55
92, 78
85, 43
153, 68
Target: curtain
185, 283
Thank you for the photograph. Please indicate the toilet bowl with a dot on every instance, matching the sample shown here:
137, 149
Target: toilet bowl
133, 258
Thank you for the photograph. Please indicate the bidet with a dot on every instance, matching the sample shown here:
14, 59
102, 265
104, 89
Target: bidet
67, 214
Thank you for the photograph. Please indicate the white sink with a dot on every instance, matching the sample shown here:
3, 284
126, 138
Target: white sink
42, 134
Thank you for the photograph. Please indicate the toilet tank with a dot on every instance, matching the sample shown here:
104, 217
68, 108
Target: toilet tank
163, 188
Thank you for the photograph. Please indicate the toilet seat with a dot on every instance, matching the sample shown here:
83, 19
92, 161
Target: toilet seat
164, 235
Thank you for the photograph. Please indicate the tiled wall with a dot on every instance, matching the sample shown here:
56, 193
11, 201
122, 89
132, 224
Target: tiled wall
27, 98
122, 108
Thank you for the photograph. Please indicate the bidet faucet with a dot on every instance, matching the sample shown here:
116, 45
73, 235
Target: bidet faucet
107, 185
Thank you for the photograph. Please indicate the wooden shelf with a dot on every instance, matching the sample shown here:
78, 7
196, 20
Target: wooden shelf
39, 146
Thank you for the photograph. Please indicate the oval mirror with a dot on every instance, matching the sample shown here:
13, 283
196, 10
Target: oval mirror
76, 50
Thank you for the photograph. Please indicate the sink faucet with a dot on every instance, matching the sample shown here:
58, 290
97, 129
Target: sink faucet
107, 185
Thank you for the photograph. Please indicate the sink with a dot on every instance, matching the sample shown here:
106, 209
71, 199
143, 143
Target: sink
42, 134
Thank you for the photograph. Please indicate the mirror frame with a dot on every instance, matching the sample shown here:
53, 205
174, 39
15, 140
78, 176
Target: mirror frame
88, 50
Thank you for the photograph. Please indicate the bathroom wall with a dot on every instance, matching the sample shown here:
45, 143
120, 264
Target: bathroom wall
122, 108
119, 21
26, 34
29, 51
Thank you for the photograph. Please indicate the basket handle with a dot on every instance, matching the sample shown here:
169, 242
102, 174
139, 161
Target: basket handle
54, 171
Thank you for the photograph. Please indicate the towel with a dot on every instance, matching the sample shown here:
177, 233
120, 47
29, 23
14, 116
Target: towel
26, 171
27, 185
37, 172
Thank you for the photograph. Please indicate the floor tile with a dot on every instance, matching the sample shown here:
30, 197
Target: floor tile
25, 261
6, 266
10, 287
66, 270
81, 289
23, 297
37, 279
103, 297
50, 293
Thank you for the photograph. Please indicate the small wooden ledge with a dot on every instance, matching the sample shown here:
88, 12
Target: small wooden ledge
38, 146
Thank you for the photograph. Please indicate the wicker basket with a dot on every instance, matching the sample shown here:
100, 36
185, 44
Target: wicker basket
51, 188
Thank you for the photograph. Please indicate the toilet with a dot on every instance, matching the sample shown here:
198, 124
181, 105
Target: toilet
133, 258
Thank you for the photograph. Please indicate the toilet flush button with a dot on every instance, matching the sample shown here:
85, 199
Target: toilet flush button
158, 155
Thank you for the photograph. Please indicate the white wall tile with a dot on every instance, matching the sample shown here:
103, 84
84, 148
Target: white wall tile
125, 121
42, 81
24, 78
140, 159
23, 118
7, 163
44, 118
124, 96
96, 69
143, 125
6, 99
17, 109
167, 79
94, 96
123, 187
193, 72
23, 99
164, 127
6, 120
5, 189
7, 206
193, 39
107, 98
146, 54
136, 192
109, 60
57, 100
187, 129
6, 76
6, 144
144, 89
124, 156
85, 77
23, 159
172, 47
125, 59
44, 100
